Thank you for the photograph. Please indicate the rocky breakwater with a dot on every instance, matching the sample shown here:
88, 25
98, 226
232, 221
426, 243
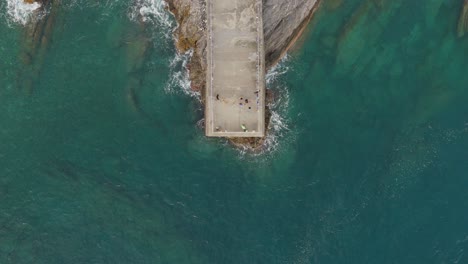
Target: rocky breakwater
283, 21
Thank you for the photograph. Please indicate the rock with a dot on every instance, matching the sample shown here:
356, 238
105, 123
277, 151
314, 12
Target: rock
190, 34
284, 22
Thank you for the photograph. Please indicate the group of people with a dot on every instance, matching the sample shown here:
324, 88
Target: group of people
244, 101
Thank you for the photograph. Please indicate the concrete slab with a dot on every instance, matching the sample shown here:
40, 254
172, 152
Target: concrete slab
235, 90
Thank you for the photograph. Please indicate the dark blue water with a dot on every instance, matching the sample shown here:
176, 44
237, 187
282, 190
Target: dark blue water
102, 159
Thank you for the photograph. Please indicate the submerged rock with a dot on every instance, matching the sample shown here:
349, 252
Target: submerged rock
36, 39
283, 21
463, 20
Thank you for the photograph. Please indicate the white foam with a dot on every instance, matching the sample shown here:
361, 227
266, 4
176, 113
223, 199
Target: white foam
21, 12
279, 125
278, 131
180, 76
153, 11
277, 70
156, 13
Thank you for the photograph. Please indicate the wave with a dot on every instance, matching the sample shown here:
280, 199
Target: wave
152, 11
20, 12
278, 131
277, 71
180, 76
278, 127
156, 13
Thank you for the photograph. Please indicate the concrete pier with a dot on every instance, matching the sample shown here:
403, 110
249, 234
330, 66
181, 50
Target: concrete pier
235, 90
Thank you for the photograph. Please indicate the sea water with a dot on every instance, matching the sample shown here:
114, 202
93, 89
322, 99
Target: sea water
104, 160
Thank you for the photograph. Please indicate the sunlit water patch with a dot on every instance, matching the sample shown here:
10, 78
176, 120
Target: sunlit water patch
416, 154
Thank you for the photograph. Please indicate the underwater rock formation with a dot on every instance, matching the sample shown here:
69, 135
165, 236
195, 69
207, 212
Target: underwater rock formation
463, 20
36, 39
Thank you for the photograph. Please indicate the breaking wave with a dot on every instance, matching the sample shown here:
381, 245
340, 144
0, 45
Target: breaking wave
20, 12
278, 131
278, 70
279, 124
180, 76
156, 13
152, 11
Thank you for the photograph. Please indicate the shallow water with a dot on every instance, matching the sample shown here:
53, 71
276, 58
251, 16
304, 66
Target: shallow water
103, 162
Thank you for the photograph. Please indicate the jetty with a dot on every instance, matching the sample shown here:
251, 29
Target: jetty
235, 86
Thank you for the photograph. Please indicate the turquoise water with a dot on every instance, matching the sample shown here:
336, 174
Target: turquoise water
103, 160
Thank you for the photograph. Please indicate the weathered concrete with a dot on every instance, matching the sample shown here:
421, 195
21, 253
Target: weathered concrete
235, 90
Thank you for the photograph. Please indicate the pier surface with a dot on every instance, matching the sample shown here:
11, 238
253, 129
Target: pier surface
235, 89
